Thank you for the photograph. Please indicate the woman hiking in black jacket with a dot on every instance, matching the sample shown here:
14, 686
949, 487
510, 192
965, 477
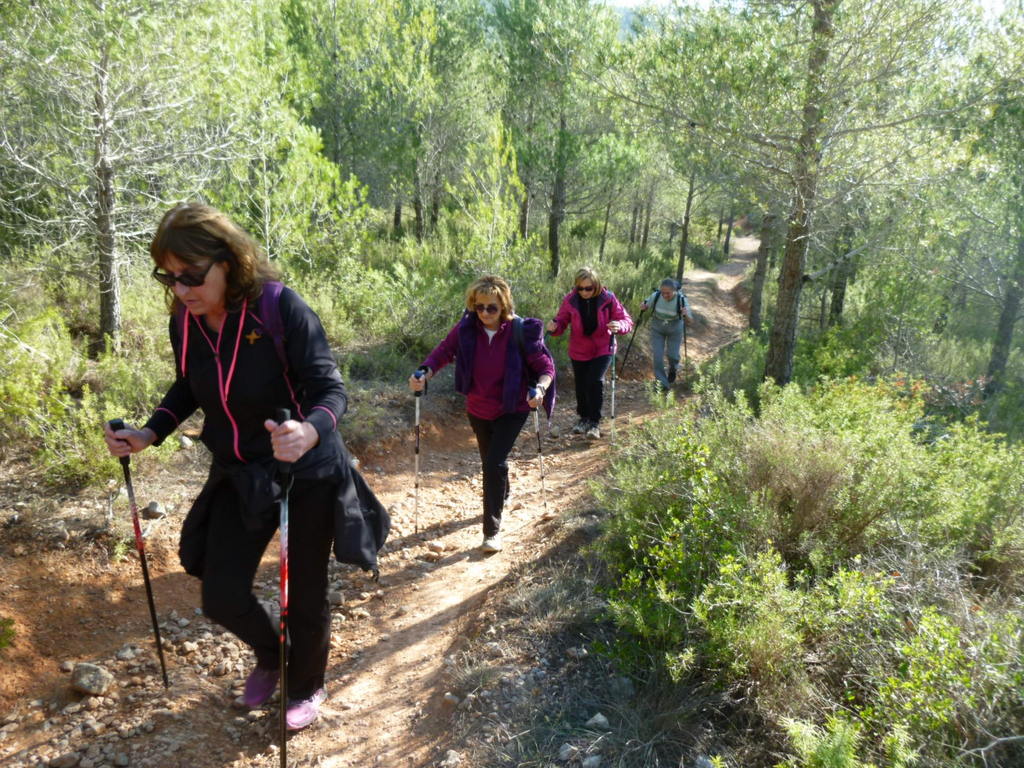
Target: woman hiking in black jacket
231, 365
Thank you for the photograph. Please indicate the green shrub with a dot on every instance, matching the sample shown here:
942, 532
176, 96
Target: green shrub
829, 555
6, 632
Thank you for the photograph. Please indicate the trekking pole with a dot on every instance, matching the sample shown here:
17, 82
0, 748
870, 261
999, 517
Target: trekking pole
140, 546
686, 354
284, 471
540, 452
420, 373
614, 350
639, 319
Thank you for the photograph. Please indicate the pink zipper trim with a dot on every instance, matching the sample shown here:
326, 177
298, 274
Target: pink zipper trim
223, 386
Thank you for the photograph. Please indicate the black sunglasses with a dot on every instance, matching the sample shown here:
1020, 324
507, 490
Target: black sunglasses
188, 279
489, 309
584, 288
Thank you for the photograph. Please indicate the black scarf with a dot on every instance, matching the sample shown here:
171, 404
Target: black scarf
588, 314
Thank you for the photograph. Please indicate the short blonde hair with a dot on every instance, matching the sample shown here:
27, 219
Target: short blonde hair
588, 273
492, 285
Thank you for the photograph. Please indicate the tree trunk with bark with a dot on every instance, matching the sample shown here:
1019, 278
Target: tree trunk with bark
106, 236
782, 341
728, 232
684, 237
1008, 317
604, 229
768, 224
558, 193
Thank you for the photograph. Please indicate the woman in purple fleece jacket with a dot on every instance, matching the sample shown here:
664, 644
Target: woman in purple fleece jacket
490, 370
595, 316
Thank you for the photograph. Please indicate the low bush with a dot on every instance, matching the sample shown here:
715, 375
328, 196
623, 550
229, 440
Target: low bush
852, 576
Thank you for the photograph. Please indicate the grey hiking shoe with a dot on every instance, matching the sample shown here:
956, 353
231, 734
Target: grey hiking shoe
580, 427
491, 544
593, 432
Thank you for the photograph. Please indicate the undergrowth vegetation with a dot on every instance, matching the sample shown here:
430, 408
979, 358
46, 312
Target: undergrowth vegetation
848, 567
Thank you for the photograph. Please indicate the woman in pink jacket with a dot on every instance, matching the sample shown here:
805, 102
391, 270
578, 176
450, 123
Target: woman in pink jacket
595, 316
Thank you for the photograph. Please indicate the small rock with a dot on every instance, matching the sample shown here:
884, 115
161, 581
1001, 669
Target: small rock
451, 759
154, 511
451, 700
566, 752
67, 666
703, 762
598, 722
436, 545
577, 652
594, 761
127, 653
68, 760
91, 679
185, 442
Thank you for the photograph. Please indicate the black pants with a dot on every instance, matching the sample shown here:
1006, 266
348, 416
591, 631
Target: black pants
233, 554
589, 375
495, 438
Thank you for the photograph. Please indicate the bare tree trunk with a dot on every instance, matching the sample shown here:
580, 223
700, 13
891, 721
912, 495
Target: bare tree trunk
106, 236
396, 222
632, 228
782, 341
768, 224
524, 213
721, 223
728, 232
1008, 318
417, 203
557, 201
684, 237
648, 207
604, 229
435, 206
843, 275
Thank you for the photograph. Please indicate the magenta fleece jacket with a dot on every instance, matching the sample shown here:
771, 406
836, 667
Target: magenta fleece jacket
583, 347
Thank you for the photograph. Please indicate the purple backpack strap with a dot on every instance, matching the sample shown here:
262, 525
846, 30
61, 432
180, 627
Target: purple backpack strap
270, 314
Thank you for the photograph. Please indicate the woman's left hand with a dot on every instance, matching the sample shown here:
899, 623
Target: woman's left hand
291, 439
539, 399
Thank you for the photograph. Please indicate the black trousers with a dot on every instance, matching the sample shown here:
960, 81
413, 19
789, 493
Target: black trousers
233, 554
589, 376
495, 438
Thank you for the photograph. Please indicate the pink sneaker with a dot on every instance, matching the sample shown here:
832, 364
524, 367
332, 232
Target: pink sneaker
259, 686
302, 712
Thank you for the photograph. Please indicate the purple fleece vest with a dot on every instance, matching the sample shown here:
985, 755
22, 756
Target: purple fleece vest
513, 387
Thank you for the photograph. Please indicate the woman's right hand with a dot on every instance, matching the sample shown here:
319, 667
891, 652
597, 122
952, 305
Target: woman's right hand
643, 306
417, 383
551, 327
127, 441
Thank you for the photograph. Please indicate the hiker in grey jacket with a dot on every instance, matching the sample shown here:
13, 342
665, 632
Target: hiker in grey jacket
669, 312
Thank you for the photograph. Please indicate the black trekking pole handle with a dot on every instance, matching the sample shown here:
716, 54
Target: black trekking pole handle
140, 547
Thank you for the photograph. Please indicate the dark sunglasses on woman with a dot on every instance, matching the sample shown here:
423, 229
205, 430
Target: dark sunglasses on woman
188, 279
488, 309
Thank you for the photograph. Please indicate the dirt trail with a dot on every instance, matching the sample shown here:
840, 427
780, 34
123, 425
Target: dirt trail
386, 702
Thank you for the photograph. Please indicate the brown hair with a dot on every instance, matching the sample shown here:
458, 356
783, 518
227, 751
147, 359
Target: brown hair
588, 273
197, 234
491, 285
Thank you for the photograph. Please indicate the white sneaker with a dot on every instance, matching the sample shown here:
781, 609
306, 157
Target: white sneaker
593, 432
491, 543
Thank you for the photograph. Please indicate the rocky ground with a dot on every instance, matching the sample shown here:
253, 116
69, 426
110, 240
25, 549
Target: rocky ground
429, 666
